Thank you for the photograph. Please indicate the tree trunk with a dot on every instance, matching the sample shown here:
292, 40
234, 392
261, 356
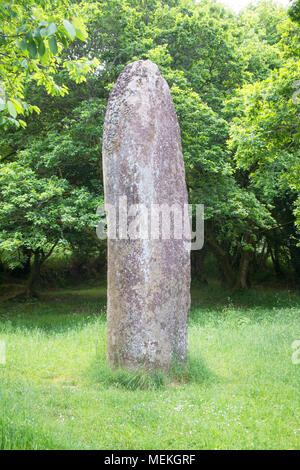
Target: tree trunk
246, 255
276, 263
223, 261
242, 279
33, 275
295, 261
244, 272
27, 264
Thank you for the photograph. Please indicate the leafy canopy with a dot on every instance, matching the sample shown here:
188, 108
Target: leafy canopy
33, 35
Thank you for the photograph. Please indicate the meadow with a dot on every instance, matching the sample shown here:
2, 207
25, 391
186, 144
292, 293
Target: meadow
239, 389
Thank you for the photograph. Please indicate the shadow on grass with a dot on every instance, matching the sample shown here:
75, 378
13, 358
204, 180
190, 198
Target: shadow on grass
58, 316
195, 370
216, 296
60, 309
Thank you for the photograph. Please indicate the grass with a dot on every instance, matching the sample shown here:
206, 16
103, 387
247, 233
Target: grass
240, 389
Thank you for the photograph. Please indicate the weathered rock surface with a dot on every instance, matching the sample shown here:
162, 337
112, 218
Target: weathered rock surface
148, 280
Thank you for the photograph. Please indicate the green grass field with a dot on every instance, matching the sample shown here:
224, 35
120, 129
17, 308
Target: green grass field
240, 389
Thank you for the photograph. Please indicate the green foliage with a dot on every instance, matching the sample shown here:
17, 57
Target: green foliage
33, 35
266, 132
294, 11
37, 213
231, 78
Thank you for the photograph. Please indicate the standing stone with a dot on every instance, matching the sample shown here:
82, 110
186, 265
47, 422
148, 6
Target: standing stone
148, 279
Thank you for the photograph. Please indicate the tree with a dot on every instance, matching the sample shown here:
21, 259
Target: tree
37, 214
265, 138
33, 35
207, 55
294, 11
